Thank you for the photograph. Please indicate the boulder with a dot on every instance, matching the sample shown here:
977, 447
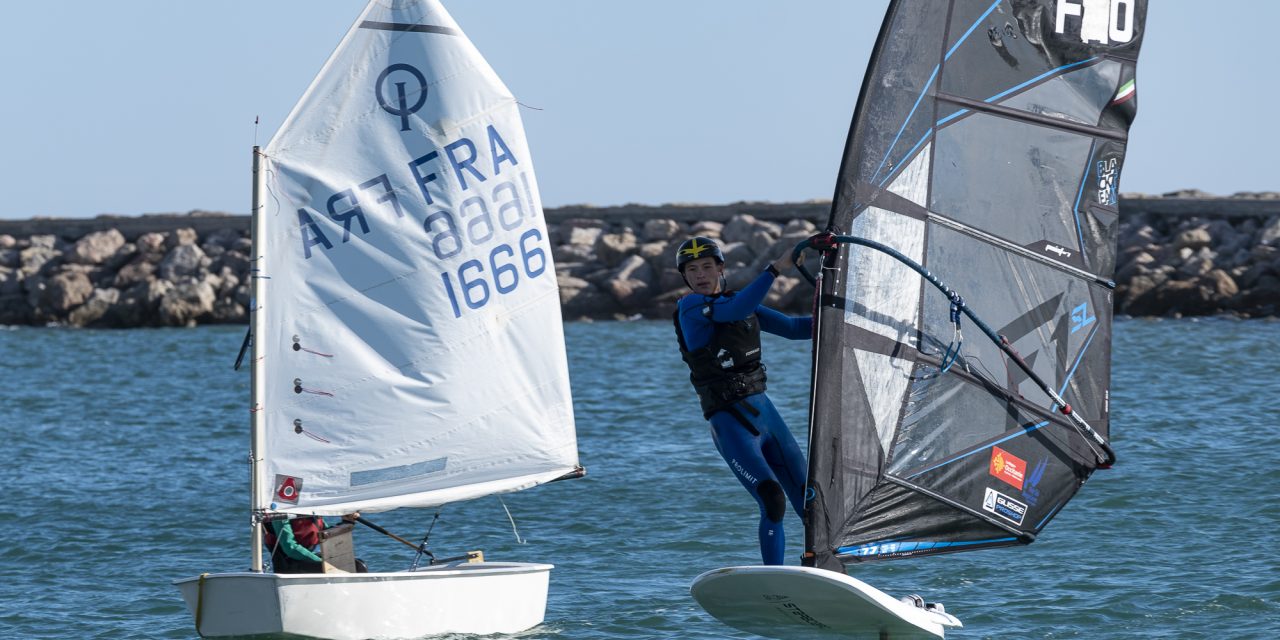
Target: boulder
7, 241
95, 308
96, 247
661, 229
185, 303
587, 302
738, 254
613, 248
227, 311
1193, 239
1270, 233
35, 259
152, 246
137, 305
59, 293
799, 226
706, 228
179, 237
183, 261
573, 253
582, 236
140, 270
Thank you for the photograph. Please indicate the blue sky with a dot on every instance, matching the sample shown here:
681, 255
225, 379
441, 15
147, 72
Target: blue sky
147, 106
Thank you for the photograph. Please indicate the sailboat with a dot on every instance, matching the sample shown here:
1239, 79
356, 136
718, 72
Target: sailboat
407, 347
978, 190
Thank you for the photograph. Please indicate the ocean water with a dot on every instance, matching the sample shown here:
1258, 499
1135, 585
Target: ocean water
126, 468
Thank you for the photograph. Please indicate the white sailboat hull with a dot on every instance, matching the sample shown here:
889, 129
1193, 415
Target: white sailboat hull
482, 597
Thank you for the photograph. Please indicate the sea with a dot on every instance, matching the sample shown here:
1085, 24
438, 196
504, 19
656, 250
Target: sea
127, 469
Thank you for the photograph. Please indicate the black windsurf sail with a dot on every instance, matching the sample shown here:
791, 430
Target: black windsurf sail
962, 360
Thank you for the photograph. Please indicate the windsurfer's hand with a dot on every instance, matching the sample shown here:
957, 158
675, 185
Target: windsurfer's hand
783, 263
351, 517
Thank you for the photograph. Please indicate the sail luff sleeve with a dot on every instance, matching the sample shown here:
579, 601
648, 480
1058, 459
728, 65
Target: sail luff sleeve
994, 163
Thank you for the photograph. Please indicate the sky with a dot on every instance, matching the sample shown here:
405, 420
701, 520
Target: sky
148, 106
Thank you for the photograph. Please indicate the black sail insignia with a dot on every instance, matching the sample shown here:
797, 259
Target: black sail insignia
986, 146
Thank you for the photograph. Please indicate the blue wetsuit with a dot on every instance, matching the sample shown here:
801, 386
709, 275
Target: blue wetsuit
768, 463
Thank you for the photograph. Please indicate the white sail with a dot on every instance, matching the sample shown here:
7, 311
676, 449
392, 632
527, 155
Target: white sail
411, 344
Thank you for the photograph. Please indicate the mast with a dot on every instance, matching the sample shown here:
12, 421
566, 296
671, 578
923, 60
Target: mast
256, 380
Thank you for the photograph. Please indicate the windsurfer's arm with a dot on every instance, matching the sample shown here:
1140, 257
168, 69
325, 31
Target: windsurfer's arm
781, 324
289, 545
743, 303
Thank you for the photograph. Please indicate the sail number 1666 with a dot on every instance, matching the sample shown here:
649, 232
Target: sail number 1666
473, 285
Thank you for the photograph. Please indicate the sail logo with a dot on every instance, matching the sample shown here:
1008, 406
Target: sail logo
288, 488
1081, 318
1053, 248
1004, 506
1008, 467
1103, 21
401, 108
1108, 177
1031, 492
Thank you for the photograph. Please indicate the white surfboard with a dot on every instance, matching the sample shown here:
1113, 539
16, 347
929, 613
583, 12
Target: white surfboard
802, 602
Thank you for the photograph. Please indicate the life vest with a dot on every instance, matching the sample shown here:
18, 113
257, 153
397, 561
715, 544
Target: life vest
728, 368
306, 532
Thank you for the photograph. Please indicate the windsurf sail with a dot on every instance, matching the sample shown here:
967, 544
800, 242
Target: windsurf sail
409, 348
985, 152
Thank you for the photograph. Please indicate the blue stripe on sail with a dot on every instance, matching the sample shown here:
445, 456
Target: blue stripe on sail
928, 84
1072, 372
913, 150
886, 547
401, 472
1075, 210
1039, 78
904, 124
962, 456
1049, 515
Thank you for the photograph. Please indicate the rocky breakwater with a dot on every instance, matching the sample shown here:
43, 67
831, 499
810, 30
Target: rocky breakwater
1183, 254
1217, 260
171, 278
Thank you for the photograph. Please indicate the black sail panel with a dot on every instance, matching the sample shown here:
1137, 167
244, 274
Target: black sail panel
986, 147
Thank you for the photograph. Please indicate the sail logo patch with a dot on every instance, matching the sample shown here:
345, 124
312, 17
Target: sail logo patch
1031, 492
288, 488
1008, 467
1004, 506
1103, 21
1108, 177
401, 108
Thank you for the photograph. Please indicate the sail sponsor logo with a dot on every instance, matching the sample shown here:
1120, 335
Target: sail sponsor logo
1102, 21
1004, 506
1081, 318
1108, 179
288, 488
1008, 467
1055, 249
1031, 492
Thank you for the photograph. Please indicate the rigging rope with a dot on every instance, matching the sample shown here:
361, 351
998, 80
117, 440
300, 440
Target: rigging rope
827, 243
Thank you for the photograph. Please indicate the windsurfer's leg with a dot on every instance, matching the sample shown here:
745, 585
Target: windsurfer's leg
741, 451
781, 452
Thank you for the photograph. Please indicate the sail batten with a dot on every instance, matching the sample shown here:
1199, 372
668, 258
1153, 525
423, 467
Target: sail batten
985, 151
413, 352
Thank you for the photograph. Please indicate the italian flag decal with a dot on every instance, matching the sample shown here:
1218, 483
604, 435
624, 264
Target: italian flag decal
1125, 92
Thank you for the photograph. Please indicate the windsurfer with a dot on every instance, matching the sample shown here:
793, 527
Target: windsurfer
719, 335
